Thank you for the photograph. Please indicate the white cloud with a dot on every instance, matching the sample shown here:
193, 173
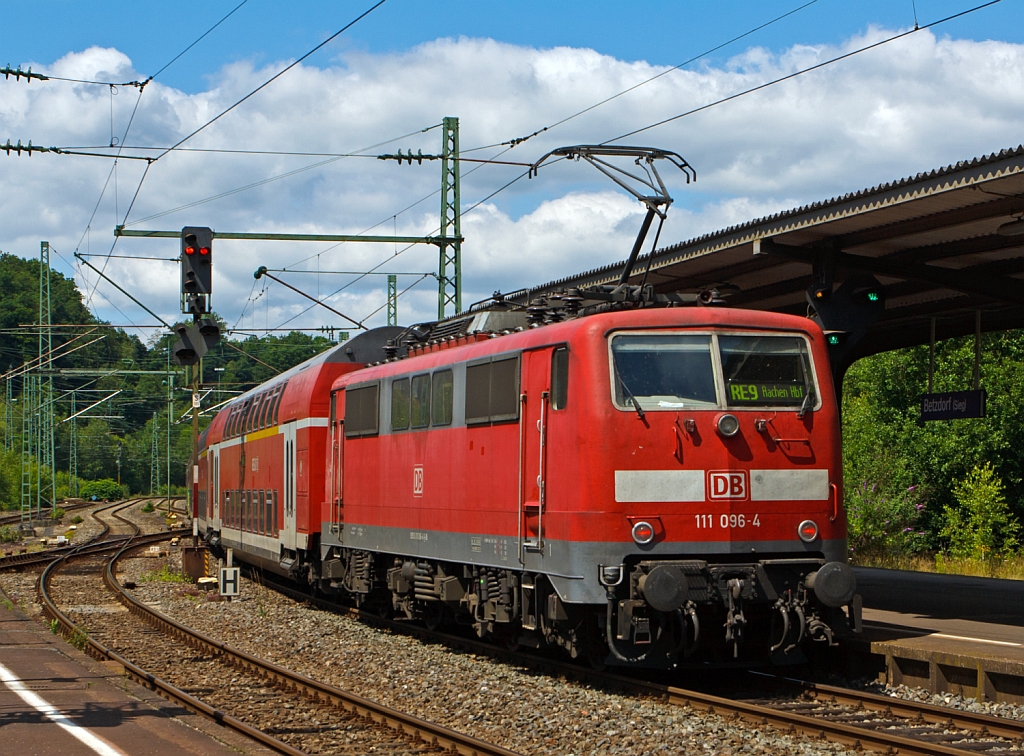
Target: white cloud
914, 105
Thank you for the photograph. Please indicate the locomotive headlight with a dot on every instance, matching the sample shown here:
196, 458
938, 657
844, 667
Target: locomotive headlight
807, 530
728, 425
643, 532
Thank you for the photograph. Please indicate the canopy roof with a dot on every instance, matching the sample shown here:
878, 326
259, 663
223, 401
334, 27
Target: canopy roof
930, 239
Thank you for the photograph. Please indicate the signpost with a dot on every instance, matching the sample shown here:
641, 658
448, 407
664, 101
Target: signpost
228, 582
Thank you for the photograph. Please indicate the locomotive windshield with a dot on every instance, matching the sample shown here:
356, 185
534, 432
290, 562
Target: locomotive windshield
765, 370
666, 371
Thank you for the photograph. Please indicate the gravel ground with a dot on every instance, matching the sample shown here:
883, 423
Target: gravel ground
310, 726
953, 701
517, 708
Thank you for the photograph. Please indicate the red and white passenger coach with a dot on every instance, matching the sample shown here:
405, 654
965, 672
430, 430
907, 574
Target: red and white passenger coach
645, 486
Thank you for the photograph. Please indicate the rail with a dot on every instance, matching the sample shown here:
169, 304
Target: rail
406, 724
998, 734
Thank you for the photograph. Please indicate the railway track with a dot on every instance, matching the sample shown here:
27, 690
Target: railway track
857, 719
285, 711
98, 543
12, 519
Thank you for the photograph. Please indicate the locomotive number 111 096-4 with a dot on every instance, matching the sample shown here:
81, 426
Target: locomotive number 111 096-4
706, 521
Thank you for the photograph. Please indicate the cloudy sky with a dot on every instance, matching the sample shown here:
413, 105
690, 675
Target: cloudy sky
942, 94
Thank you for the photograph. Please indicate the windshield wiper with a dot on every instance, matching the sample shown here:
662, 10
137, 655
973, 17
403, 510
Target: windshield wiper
632, 399
808, 401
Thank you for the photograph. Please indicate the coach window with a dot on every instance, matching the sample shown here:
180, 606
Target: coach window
257, 410
400, 404
421, 401
443, 394
265, 410
559, 378
275, 400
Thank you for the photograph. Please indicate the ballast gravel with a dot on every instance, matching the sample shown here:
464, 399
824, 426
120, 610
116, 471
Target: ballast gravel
951, 700
520, 709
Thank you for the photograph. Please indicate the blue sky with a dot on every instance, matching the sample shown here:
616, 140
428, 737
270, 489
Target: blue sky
928, 100
659, 32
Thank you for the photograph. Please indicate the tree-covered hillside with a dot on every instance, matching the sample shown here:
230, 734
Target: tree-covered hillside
120, 430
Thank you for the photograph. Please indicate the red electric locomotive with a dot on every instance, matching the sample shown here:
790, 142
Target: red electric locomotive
641, 485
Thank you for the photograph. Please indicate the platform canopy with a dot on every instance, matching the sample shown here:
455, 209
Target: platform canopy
943, 244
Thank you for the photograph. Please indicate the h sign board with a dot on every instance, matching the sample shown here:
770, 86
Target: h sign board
953, 405
228, 581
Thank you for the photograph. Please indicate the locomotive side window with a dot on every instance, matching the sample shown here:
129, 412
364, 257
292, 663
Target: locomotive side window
492, 391
765, 371
505, 389
663, 371
441, 404
361, 411
559, 378
420, 401
478, 393
400, 404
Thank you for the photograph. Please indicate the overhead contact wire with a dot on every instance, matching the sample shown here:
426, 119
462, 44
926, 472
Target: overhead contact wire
519, 140
803, 71
275, 77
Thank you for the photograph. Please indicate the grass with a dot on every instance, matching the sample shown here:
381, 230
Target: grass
1010, 568
148, 507
164, 575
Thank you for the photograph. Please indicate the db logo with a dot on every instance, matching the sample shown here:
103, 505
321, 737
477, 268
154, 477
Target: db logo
417, 480
728, 485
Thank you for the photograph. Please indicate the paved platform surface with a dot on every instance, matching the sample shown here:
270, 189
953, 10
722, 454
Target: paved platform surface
943, 597
947, 632
55, 701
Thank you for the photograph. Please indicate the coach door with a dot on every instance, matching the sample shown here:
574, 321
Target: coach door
213, 500
337, 461
535, 397
288, 532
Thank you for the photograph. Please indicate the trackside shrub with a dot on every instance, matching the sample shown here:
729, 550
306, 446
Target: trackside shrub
980, 525
105, 488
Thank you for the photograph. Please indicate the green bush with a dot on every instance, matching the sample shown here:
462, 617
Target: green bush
57, 514
885, 520
980, 526
9, 534
106, 488
76, 520
148, 507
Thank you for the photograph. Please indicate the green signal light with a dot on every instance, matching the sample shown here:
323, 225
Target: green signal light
833, 339
872, 296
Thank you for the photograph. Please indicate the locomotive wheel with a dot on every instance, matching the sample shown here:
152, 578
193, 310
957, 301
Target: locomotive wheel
433, 615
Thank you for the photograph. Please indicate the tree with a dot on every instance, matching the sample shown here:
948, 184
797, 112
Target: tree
980, 526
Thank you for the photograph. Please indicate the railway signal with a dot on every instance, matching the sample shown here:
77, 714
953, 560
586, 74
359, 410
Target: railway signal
196, 269
846, 313
195, 340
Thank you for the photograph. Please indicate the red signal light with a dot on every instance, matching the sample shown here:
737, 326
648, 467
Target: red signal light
204, 250
191, 250
807, 530
643, 532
